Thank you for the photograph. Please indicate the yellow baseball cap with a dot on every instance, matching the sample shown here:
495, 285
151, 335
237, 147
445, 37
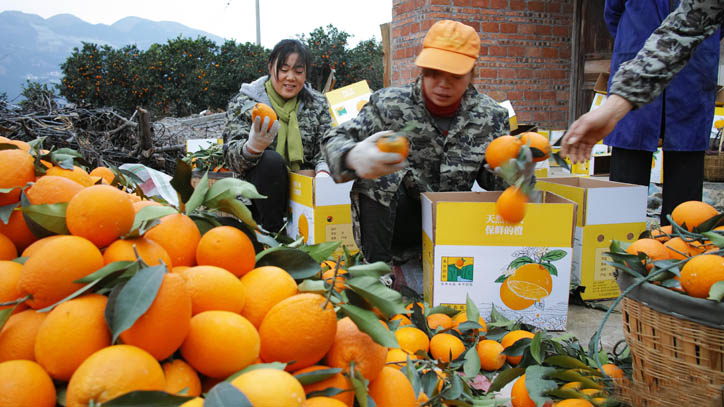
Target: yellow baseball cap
449, 46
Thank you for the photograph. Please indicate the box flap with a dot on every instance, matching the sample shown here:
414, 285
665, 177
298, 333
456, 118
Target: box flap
327, 192
301, 189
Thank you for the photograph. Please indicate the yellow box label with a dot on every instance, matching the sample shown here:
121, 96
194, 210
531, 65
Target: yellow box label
301, 189
478, 224
334, 223
427, 267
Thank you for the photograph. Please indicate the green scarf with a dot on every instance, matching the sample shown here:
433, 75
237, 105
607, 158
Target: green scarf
289, 138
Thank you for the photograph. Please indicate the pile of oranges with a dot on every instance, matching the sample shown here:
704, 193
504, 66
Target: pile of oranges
508, 155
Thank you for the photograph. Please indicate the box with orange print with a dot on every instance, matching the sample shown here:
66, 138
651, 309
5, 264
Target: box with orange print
606, 211
523, 270
320, 210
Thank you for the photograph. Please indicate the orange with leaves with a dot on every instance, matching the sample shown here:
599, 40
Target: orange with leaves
162, 329
321, 401
214, 289
33, 247
226, 247
446, 347
662, 234
138, 205
25, 383
439, 320
539, 142
17, 230
17, 337
412, 339
77, 174
50, 189
391, 388
700, 273
352, 345
519, 396
462, 317
264, 287
338, 380
491, 354
692, 213
397, 358
402, 318
17, 168
181, 378
49, 274
511, 338
104, 173
511, 205
329, 275
270, 387
312, 320
100, 213
111, 372
613, 371
9, 276
654, 249
263, 111
150, 252
220, 343
179, 235
679, 249
18, 143
72, 331
502, 149
573, 403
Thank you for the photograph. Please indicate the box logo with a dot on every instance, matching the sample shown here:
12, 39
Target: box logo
457, 270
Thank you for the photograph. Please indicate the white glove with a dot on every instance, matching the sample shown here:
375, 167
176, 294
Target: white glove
368, 161
260, 135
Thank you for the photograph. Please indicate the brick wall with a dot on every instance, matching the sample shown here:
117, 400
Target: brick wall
525, 50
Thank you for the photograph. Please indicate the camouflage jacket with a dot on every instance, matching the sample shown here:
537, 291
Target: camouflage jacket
667, 50
436, 163
314, 121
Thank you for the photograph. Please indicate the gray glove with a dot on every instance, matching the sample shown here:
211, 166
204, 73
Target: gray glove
261, 135
368, 161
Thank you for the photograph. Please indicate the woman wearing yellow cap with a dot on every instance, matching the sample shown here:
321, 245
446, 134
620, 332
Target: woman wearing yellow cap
449, 125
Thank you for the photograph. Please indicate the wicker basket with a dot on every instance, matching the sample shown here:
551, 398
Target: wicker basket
714, 160
676, 361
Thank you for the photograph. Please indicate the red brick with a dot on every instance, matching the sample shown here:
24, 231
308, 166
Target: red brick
497, 51
495, 94
533, 52
501, 4
516, 51
523, 116
526, 28
561, 31
548, 95
562, 95
536, 6
507, 73
550, 52
564, 53
462, 3
543, 29
517, 5
532, 95
398, 54
539, 116
481, 3
440, 2
508, 28
515, 95
488, 73
490, 27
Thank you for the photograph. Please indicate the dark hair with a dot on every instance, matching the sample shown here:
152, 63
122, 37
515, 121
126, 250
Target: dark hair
281, 52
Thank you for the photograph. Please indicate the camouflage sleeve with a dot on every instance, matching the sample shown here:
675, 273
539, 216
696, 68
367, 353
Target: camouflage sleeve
667, 50
236, 132
339, 140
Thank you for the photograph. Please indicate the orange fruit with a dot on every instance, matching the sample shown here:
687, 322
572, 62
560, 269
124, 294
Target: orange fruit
19, 143
181, 378
539, 142
491, 354
573, 403
77, 174
30, 250
338, 380
163, 327
150, 252
9, 276
512, 337
111, 372
263, 111
17, 337
100, 213
403, 319
391, 388
531, 281
411, 305
180, 269
138, 205
613, 371
8, 251
692, 213
439, 320
700, 273
17, 168
352, 345
461, 317
446, 347
264, 287
214, 288
662, 234
394, 143
679, 249
654, 249
502, 149
17, 230
519, 396
397, 358
49, 274
513, 300
25, 383
179, 235
73, 331
422, 398
220, 343
328, 276
270, 387
226, 247
412, 339
298, 329
104, 173
321, 401
195, 402
50, 189
511, 205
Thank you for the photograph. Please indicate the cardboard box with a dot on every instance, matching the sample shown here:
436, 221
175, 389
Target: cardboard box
606, 210
320, 210
469, 250
346, 102
657, 166
196, 144
601, 85
511, 114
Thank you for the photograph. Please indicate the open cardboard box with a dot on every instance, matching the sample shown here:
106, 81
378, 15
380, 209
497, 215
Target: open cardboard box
469, 250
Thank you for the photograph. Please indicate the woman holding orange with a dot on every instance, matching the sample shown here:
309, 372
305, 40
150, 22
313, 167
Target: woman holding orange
262, 150
448, 124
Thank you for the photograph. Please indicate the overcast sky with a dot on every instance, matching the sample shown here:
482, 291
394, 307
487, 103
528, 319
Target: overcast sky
230, 19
